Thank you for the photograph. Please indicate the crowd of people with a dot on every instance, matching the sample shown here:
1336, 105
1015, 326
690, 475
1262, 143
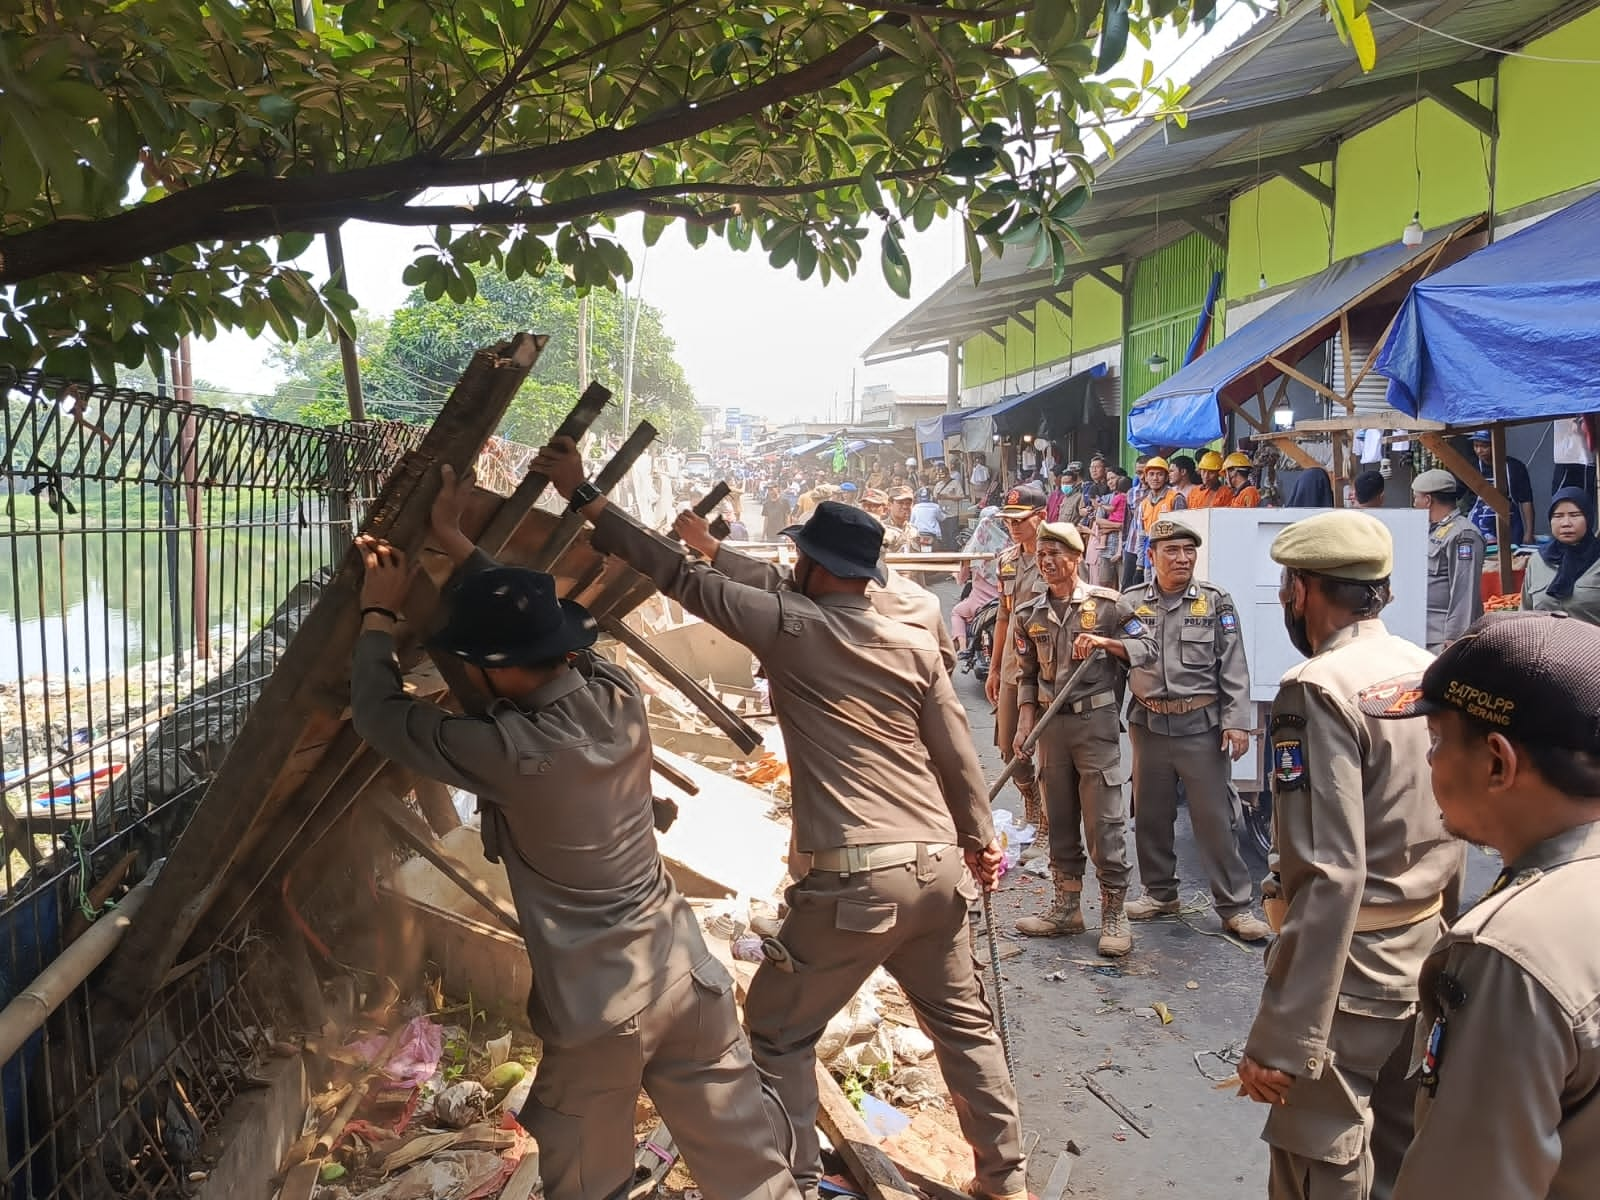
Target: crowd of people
1403, 1047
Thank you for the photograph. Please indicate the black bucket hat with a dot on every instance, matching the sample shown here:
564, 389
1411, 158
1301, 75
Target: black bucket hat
511, 617
842, 540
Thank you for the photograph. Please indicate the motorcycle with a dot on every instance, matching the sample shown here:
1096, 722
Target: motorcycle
978, 652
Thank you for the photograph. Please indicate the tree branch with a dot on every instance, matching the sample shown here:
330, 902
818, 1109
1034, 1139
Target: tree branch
243, 207
487, 102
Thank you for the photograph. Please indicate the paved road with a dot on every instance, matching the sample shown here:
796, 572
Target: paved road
1071, 1014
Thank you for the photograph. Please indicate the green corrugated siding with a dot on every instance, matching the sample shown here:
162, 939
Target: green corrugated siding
1169, 290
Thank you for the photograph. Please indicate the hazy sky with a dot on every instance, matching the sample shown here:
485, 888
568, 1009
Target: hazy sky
748, 336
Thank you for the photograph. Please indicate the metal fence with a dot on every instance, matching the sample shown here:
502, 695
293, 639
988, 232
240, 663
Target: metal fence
155, 558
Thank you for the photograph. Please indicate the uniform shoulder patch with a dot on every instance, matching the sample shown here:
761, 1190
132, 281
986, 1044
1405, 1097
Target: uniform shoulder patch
1464, 548
1228, 619
1133, 627
1288, 763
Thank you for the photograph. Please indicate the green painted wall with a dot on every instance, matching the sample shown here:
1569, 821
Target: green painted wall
1293, 238
1549, 140
1376, 184
1168, 292
1096, 321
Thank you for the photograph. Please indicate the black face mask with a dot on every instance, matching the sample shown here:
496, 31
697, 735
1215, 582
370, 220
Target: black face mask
1296, 627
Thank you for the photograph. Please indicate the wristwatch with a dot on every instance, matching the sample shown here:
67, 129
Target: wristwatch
584, 494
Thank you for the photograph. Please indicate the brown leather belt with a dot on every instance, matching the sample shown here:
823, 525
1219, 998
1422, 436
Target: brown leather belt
1176, 708
1370, 918
1087, 704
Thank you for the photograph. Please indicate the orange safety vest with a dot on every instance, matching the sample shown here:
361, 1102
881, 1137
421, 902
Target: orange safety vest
1249, 497
1151, 511
1220, 496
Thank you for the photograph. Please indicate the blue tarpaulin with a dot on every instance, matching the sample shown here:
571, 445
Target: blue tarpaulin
1185, 408
1509, 333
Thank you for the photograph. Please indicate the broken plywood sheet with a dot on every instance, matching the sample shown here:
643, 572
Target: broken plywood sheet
705, 652
723, 843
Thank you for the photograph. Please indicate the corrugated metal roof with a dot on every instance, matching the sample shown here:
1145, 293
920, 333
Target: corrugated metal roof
1280, 60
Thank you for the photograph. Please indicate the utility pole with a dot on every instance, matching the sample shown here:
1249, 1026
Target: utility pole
633, 338
306, 21
583, 341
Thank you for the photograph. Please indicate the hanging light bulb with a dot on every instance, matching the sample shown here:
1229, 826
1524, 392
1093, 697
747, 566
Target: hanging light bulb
1156, 361
1283, 417
1261, 283
1414, 233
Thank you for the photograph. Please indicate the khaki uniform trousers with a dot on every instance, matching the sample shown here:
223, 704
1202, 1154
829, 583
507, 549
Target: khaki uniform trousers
912, 921
1160, 761
1081, 774
1342, 1136
1005, 733
688, 1054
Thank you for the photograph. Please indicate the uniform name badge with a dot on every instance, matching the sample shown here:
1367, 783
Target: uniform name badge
1198, 608
1289, 763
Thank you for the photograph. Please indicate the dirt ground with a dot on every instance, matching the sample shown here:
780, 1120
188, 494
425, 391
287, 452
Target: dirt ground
1070, 1016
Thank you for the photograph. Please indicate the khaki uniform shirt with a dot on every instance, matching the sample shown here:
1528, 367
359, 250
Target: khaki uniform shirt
1198, 653
901, 598
1043, 639
1353, 823
896, 537
878, 744
1508, 1047
563, 775
1455, 579
1020, 583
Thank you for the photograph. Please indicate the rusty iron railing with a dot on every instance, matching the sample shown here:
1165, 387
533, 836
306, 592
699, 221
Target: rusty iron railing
155, 559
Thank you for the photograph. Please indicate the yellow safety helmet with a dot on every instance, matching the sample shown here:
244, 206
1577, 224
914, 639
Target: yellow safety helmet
1210, 461
1156, 464
1237, 460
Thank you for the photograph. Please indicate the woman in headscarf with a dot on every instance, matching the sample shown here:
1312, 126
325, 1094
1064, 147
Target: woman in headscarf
1564, 576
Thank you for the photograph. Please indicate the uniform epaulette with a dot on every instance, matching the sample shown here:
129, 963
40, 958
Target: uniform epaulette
1104, 593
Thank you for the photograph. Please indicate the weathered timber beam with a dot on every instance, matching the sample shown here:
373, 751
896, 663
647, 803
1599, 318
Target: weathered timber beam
246, 788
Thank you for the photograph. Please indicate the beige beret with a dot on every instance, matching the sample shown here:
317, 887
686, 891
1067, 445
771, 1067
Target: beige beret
1341, 543
1060, 531
1435, 483
1166, 530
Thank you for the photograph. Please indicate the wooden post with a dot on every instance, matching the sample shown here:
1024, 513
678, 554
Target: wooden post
571, 523
414, 832
1503, 524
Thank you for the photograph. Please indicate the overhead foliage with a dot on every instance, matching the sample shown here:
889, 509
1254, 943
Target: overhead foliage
164, 163
410, 362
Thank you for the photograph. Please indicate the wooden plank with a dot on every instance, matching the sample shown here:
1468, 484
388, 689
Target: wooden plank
524, 1180
509, 517
439, 810
1315, 385
1060, 1177
252, 782
571, 523
414, 832
870, 1166
725, 719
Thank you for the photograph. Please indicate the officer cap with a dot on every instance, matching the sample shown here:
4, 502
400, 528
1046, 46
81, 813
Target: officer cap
1167, 530
1340, 543
901, 493
1210, 461
875, 496
1534, 676
1023, 501
1156, 464
1237, 460
1060, 531
1435, 483
1074, 467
